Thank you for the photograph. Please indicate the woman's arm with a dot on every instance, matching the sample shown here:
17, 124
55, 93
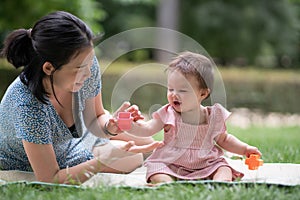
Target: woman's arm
95, 116
43, 162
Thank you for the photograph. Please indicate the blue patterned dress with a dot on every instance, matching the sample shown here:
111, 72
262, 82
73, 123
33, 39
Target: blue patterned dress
24, 117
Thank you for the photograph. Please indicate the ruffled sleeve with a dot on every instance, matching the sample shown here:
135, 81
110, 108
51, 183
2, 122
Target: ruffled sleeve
217, 118
166, 114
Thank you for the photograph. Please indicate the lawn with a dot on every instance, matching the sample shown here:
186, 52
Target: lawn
276, 144
172, 191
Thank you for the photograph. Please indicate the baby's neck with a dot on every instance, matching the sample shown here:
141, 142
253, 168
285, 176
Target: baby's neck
195, 117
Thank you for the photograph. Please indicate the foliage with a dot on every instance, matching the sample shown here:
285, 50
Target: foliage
244, 29
258, 32
233, 32
123, 15
23, 13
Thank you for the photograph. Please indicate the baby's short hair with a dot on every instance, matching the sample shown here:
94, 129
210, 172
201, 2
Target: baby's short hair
194, 64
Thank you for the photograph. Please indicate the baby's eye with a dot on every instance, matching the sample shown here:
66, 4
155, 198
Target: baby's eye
170, 90
182, 91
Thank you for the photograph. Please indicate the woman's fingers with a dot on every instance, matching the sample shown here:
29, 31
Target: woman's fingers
128, 145
145, 148
122, 108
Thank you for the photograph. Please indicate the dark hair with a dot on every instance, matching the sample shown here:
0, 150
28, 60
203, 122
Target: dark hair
193, 64
55, 38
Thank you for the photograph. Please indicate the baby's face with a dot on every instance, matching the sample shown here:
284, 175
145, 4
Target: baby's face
183, 92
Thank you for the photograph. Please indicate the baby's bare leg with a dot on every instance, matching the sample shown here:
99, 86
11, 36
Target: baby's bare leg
223, 173
161, 178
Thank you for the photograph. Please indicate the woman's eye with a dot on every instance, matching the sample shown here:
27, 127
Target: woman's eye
81, 66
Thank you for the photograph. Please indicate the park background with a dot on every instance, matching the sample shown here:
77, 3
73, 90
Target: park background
255, 45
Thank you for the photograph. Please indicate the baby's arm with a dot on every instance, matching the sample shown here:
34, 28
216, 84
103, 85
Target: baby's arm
232, 144
146, 128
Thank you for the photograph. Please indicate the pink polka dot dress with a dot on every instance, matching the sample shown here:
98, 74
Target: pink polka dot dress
189, 151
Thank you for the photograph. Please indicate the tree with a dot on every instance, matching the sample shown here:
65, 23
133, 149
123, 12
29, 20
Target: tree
23, 13
123, 15
242, 29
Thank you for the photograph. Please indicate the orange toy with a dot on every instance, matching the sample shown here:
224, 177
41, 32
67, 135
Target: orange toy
254, 162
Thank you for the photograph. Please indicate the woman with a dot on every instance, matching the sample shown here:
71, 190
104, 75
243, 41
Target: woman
46, 112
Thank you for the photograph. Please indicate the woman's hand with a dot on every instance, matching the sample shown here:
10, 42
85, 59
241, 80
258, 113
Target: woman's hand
112, 124
131, 147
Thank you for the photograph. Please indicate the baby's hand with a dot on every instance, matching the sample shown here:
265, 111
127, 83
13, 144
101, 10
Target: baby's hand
135, 113
252, 150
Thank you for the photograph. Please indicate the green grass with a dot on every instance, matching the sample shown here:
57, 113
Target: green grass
276, 144
171, 191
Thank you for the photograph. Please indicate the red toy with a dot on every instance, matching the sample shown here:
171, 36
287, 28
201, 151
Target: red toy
124, 120
254, 162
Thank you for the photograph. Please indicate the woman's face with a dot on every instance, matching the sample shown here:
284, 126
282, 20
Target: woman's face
71, 76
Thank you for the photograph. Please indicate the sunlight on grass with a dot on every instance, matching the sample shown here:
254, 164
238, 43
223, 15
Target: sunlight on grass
276, 144
261, 74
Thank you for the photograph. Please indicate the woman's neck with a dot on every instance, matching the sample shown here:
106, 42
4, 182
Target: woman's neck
60, 96
47, 85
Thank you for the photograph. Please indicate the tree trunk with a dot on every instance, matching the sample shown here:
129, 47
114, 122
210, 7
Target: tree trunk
167, 17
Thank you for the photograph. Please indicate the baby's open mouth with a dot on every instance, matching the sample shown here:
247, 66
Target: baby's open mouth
176, 103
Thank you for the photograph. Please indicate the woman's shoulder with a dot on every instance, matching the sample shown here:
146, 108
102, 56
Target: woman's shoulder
16, 90
19, 94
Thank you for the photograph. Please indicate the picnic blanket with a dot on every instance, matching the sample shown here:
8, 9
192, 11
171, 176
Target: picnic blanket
286, 174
